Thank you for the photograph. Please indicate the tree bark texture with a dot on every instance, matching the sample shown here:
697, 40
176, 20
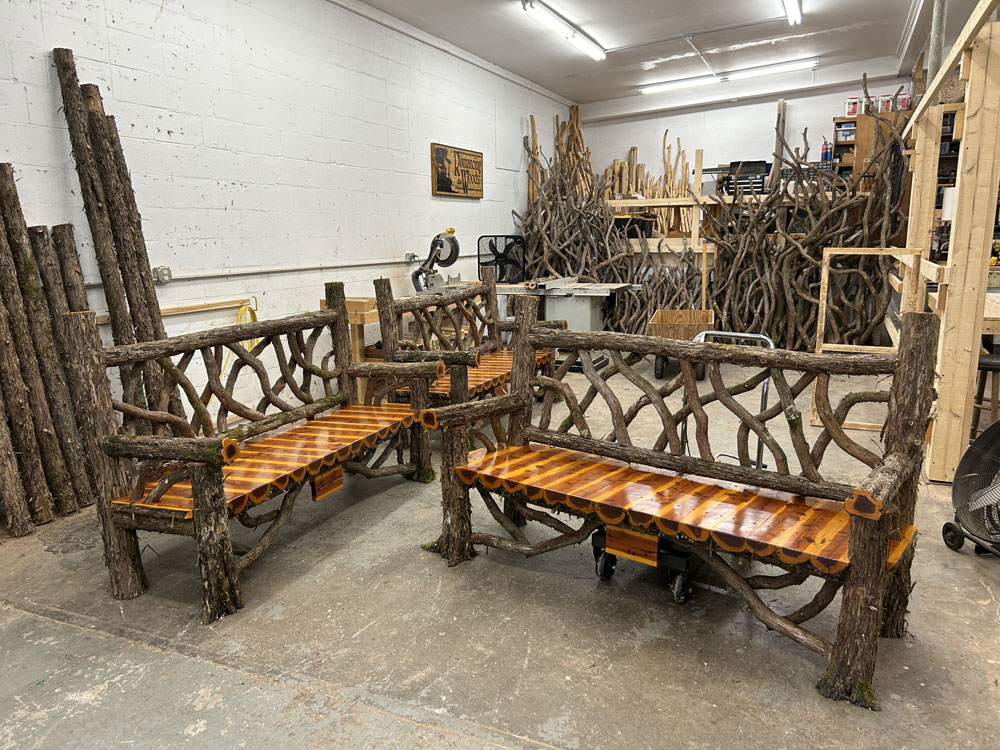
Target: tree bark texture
523, 367
22, 337
455, 544
22, 428
14, 510
94, 202
850, 673
917, 368
420, 446
387, 318
97, 422
40, 325
64, 241
336, 303
219, 572
832, 363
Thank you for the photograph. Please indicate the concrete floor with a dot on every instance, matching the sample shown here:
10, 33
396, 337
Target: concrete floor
352, 636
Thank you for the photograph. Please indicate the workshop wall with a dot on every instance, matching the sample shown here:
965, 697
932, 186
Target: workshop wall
264, 135
739, 130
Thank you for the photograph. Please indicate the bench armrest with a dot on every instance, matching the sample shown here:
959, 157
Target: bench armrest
218, 450
469, 358
431, 370
507, 325
881, 485
462, 414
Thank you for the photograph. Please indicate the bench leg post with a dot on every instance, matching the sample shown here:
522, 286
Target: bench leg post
850, 673
420, 447
96, 421
219, 574
455, 544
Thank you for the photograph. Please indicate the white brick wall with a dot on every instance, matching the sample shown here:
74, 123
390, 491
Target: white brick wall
264, 134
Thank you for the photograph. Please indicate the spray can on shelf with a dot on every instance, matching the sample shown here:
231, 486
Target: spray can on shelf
827, 152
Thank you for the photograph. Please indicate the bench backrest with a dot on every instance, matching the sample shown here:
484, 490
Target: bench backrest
195, 384
467, 319
648, 417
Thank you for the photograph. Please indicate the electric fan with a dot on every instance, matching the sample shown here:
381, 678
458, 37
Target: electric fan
975, 495
505, 252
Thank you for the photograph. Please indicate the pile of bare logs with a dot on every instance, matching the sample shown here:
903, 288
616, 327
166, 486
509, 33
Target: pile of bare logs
631, 179
50, 460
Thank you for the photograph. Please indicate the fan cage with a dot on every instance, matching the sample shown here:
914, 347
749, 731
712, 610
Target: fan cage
505, 253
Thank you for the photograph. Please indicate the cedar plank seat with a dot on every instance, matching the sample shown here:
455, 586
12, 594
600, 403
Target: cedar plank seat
795, 530
268, 465
491, 374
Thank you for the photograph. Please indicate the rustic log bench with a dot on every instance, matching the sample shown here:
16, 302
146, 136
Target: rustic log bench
459, 327
656, 505
249, 439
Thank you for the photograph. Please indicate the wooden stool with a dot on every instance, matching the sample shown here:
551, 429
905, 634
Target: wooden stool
989, 364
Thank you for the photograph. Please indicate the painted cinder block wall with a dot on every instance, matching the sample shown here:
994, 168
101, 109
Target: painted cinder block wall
266, 135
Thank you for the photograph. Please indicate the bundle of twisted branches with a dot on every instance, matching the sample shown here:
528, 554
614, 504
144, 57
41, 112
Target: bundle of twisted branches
769, 247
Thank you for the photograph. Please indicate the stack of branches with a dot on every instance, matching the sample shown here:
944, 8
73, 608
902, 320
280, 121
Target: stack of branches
570, 149
570, 231
769, 247
630, 179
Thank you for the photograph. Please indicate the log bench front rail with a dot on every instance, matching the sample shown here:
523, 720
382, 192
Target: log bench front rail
857, 537
303, 425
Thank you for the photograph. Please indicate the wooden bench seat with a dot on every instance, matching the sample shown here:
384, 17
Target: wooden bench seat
271, 463
796, 530
492, 373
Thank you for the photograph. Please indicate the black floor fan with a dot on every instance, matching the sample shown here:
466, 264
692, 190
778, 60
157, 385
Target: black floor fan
975, 496
505, 252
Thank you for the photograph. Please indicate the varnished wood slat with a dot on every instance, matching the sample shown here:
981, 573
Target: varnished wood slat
795, 530
273, 462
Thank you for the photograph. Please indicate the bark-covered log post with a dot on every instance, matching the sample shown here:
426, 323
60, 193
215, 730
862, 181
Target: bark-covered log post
14, 511
219, 573
420, 446
64, 241
918, 340
522, 370
340, 332
455, 544
850, 673
40, 326
69, 348
94, 202
97, 422
490, 296
387, 320
22, 428
56, 473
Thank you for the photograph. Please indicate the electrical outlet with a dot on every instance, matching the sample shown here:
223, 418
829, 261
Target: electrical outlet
162, 274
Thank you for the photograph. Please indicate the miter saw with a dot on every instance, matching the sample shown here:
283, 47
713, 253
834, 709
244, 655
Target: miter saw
444, 252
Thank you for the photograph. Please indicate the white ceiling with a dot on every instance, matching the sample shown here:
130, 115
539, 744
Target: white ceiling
644, 37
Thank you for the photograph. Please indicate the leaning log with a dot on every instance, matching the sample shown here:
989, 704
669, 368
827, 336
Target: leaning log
40, 325
64, 241
45, 432
14, 510
94, 201
22, 428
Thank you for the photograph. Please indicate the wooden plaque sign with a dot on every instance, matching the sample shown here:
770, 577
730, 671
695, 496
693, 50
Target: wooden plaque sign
455, 172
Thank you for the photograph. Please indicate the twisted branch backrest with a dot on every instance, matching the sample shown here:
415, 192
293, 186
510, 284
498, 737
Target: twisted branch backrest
462, 320
202, 382
619, 403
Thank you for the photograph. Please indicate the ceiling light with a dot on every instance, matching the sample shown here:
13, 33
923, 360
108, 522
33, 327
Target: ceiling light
766, 70
793, 11
680, 83
555, 22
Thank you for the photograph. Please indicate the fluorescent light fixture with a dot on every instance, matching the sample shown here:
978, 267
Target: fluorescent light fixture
793, 11
680, 83
766, 70
555, 22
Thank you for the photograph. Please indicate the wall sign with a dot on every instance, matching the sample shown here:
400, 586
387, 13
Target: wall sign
455, 172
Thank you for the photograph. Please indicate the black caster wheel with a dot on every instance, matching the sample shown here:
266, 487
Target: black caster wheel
679, 588
953, 536
981, 550
699, 370
605, 565
659, 365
